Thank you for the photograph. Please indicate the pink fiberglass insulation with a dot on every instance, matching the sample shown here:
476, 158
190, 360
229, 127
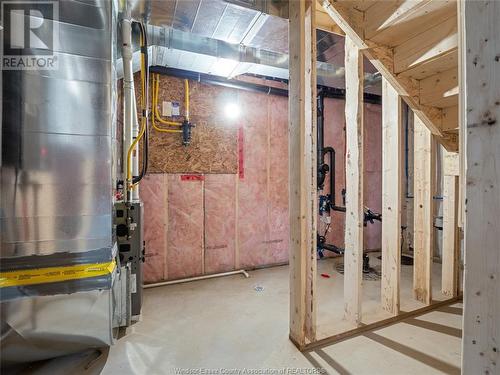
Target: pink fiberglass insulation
335, 137
252, 189
278, 180
185, 227
220, 222
153, 196
373, 172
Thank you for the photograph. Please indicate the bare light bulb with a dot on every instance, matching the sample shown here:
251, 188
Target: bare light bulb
232, 111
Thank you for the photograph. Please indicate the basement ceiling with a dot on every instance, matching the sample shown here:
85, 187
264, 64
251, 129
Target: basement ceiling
244, 23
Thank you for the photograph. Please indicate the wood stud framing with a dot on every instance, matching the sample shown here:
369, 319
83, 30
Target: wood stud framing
353, 257
423, 208
391, 197
410, 74
451, 240
481, 328
302, 171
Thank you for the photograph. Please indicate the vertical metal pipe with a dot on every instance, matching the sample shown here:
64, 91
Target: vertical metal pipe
128, 95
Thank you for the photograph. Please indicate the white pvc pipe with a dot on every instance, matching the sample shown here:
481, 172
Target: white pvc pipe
180, 281
135, 154
128, 93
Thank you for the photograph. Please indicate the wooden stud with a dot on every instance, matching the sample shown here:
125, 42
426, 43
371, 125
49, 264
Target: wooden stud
353, 259
424, 166
481, 329
391, 197
451, 240
302, 170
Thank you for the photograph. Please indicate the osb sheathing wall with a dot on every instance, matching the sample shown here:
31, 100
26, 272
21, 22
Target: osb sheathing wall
222, 222
213, 144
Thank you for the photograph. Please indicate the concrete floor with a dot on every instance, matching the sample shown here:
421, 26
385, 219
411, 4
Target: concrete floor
236, 323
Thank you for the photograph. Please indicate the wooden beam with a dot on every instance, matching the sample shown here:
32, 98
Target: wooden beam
424, 166
391, 23
352, 22
481, 340
324, 21
451, 239
302, 170
327, 341
353, 259
440, 90
391, 197
427, 46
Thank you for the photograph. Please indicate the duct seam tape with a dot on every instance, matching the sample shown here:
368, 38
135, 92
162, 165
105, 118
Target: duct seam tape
55, 274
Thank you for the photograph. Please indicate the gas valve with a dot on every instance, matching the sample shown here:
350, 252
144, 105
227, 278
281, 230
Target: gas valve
186, 132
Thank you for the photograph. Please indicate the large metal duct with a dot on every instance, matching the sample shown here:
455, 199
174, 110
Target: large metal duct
56, 179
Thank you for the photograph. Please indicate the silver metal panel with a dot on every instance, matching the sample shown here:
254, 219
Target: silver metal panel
46, 158
78, 40
49, 247
184, 14
209, 15
58, 199
48, 326
272, 35
56, 182
77, 68
85, 107
234, 23
31, 229
241, 31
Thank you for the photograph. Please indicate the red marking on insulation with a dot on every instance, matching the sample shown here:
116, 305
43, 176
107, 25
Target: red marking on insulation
325, 275
241, 161
192, 177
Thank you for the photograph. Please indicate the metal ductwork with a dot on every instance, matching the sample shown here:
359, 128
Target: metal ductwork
57, 173
187, 51
232, 37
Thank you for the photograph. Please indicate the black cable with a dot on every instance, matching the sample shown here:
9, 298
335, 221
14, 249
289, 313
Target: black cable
144, 114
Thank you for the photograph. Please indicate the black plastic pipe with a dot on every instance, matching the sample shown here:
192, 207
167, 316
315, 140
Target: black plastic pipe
327, 92
218, 81
145, 145
322, 169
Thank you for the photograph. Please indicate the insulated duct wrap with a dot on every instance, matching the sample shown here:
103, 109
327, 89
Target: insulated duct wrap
57, 175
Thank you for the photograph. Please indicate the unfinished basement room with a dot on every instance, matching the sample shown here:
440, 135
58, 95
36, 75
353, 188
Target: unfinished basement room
250, 187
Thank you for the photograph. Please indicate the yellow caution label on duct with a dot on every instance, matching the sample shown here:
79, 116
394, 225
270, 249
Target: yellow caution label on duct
55, 274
